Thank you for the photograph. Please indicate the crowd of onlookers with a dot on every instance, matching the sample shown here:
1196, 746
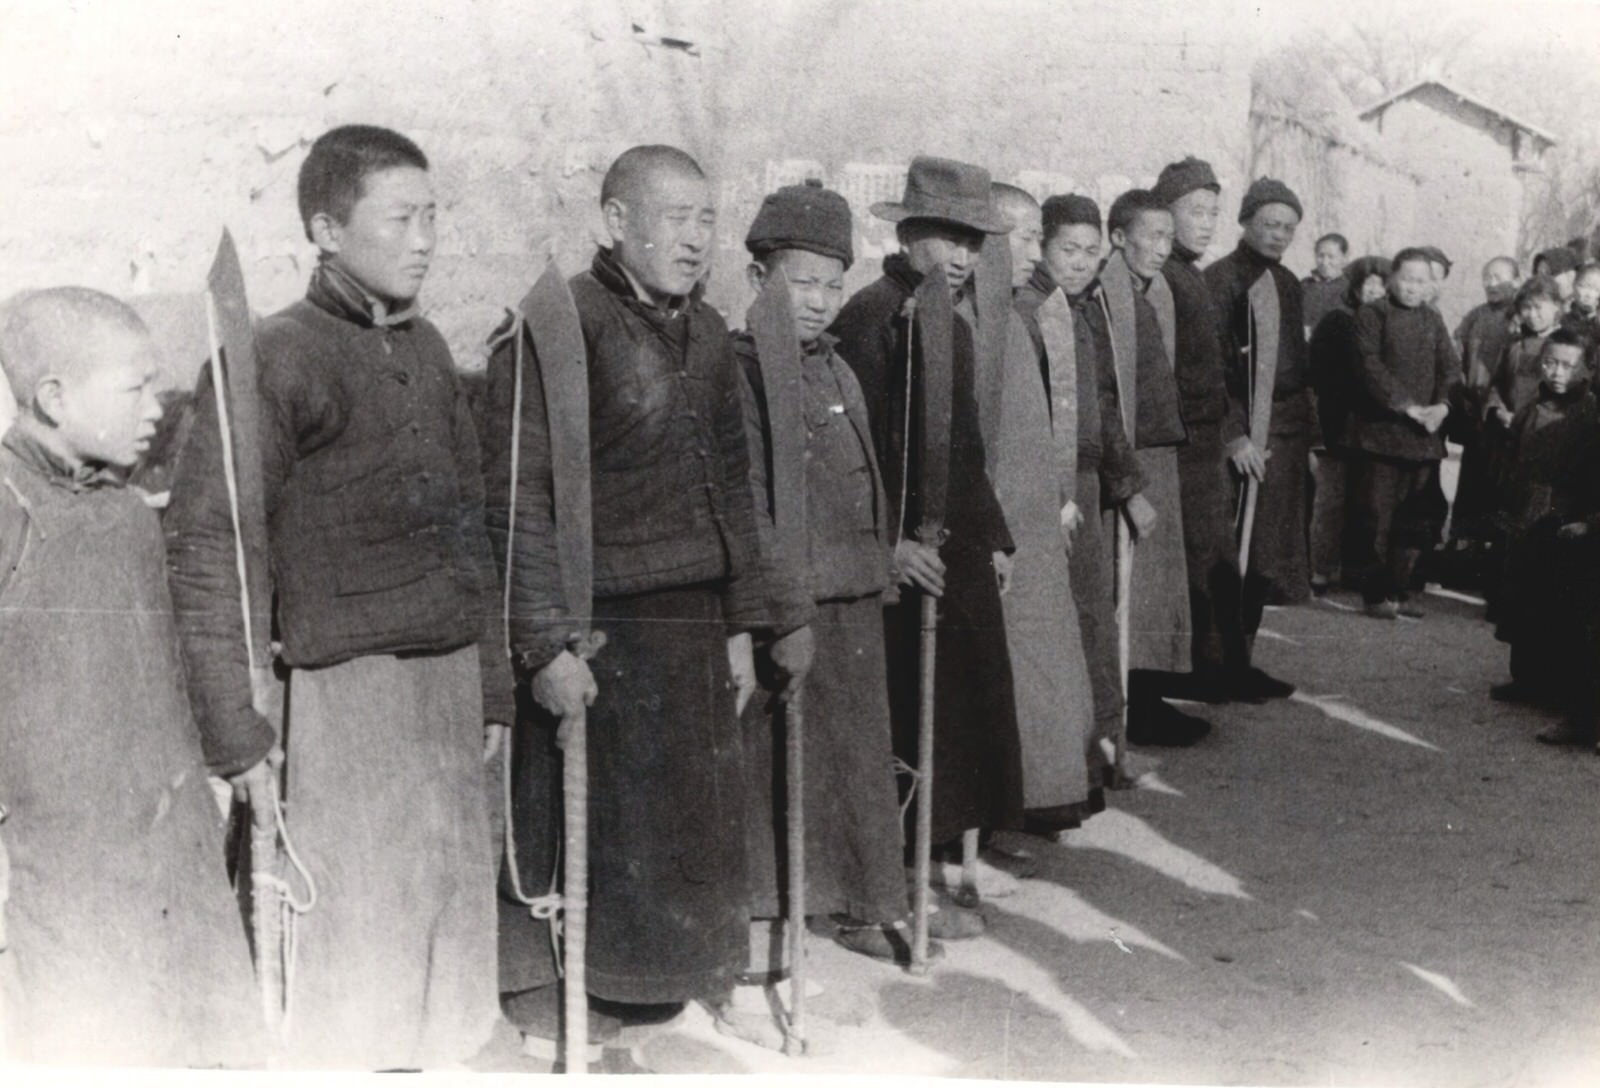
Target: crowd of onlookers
1522, 412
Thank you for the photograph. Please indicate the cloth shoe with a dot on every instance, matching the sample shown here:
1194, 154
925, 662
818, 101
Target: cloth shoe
1568, 734
1161, 725
891, 943
1253, 685
1410, 609
1382, 610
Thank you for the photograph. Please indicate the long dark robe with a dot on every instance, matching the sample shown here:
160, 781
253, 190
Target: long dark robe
1205, 482
126, 945
977, 756
1279, 563
1482, 338
852, 820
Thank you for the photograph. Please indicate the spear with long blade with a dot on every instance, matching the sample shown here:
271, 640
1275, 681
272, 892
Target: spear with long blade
233, 358
550, 317
932, 338
1261, 355
771, 321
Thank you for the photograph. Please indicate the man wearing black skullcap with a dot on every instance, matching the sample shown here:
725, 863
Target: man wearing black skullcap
1214, 422
854, 869
941, 223
1262, 329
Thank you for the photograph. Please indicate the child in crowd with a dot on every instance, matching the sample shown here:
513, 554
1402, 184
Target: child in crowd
1583, 313
125, 943
388, 617
1560, 263
1548, 490
1408, 368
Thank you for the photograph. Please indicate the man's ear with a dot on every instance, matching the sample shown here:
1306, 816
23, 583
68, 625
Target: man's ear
615, 213
756, 273
47, 393
1118, 237
326, 232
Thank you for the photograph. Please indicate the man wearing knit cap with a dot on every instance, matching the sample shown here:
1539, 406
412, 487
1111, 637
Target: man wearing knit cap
1262, 329
854, 869
1134, 296
1107, 473
941, 223
1214, 422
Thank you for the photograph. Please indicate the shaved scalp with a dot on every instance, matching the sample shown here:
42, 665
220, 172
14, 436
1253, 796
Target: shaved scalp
637, 166
1007, 197
58, 331
1508, 262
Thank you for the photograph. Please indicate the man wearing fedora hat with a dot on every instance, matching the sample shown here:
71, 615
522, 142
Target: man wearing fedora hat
941, 222
1258, 305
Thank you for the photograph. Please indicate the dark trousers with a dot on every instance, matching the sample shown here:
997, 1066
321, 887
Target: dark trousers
1206, 492
1396, 508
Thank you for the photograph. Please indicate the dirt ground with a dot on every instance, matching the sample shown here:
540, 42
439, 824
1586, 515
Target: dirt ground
1383, 881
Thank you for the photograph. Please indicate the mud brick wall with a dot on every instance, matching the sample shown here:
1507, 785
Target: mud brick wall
130, 134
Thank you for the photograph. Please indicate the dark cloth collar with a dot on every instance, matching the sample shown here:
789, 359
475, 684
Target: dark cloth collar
1042, 280
614, 278
1252, 259
823, 345
48, 464
1184, 253
897, 269
335, 291
1574, 395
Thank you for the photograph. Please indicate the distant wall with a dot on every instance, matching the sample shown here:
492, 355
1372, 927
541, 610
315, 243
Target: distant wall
131, 133
1471, 198
1345, 189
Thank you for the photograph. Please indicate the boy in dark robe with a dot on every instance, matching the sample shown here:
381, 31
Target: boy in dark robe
386, 611
681, 584
854, 866
1142, 315
121, 940
1335, 375
977, 760
1108, 474
1539, 609
1408, 368
1583, 313
1322, 290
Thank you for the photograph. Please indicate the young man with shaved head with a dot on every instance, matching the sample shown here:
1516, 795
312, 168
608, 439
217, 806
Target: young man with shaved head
680, 583
119, 937
1035, 479
384, 594
1262, 328
1107, 472
1139, 307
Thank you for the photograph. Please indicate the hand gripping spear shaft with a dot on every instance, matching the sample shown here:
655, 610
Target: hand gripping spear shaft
551, 319
771, 322
234, 383
930, 336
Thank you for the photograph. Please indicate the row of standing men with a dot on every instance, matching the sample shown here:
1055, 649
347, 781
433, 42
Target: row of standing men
1110, 420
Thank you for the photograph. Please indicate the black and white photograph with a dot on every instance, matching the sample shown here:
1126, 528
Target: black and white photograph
916, 541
